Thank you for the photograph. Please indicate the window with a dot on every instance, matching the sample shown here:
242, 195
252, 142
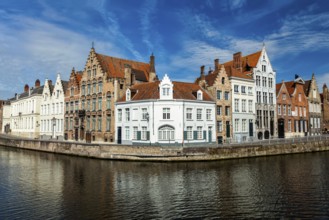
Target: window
284, 96
299, 97
144, 114
227, 95
244, 105
108, 123
219, 110
289, 110
199, 95
259, 97
199, 114
271, 98
199, 132
94, 105
127, 114
165, 91
108, 102
270, 82
265, 97
88, 104
243, 89
89, 73
289, 125
304, 111
144, 133
227, 110
189, 133
99, 123
166, 133
250, 105
83, 90
166, 113
219, 126
250, 91
119, 115
72, 91
135, 129
236, 88
257, 80
100, 103
263, 68
284, 110
88, 89
94, 123
127, 133
189, 114
264, 81
244, 123
100, 86
94, 72
236, 125
219, 94
128, 95
208, 114
236, 105
223, 80
94, 88
279, 109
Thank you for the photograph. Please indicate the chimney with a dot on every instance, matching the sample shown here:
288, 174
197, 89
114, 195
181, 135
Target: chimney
37, 83
210, 71
152, 73
216, 64
26, 88
202, 72
237, 62
16, 96
50, 82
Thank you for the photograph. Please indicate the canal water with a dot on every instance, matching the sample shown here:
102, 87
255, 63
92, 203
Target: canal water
36, 185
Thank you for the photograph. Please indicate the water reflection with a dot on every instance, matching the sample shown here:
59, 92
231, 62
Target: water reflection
81, 188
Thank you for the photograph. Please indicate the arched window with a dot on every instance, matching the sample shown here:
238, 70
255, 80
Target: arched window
223, 80
166, 133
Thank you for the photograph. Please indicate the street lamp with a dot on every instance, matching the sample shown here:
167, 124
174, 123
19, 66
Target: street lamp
54, 124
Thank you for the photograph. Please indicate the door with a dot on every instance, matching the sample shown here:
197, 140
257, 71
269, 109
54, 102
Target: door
251, 129
228, 130
281, 128
119, 135
76, 135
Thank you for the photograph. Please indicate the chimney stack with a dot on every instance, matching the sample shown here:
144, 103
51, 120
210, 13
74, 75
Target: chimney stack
216, 64
237, 62
202, 72
37, 83
26, 88
50, 82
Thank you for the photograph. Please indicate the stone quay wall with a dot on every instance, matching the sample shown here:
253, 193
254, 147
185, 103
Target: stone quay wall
163, 153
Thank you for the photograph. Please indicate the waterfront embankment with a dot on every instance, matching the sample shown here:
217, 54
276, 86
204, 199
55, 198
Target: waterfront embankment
168, 153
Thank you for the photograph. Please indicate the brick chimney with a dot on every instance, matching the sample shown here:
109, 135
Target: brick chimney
152, 74
37, 83
216, 61
202, 72
26, 88
237, 62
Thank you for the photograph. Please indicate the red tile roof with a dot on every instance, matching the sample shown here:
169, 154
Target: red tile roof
278, 87
181, 90
115, 67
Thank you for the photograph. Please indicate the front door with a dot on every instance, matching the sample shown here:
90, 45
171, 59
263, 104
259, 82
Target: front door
228, 130
119, 135
281, 128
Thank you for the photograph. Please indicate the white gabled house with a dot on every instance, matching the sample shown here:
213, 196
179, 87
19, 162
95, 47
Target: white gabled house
52, 109
165, 112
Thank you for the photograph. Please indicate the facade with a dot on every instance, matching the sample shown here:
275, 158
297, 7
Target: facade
259, 67
73, 121
325, 109
314, 106
103, 81
299, 109
52, 109
218, 85
165, 112
284, 112
25, 112
6, 113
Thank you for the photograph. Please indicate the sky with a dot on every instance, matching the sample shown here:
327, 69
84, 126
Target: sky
40, 38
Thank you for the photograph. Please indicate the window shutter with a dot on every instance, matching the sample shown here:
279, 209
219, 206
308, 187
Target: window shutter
185, 135
138, 135
148, 135
204, 135
195, 135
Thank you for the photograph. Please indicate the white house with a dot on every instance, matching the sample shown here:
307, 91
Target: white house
52, 109
165, 112
25, 112
243, 107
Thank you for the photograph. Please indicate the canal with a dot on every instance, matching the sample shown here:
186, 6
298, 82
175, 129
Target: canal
36, 185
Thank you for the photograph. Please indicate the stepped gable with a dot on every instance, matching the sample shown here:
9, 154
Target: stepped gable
115, 67
181, 90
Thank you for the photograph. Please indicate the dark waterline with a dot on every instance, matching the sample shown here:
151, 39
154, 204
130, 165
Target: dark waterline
36, 185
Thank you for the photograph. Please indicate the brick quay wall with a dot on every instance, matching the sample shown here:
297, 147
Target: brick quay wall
164, 153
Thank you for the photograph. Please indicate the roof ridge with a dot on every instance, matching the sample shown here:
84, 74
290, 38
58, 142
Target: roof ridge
118, 58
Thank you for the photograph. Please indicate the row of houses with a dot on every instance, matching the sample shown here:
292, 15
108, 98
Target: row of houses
123, 101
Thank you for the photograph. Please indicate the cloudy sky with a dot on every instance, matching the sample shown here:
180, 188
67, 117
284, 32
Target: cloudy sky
41, 38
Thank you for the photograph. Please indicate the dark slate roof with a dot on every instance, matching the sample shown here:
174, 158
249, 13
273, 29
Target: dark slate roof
35, 91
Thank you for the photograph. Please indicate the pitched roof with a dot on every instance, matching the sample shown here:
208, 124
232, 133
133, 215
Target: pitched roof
181, 90
115, 67
307, 86
278, 87
290, 87
34, 91
250, 60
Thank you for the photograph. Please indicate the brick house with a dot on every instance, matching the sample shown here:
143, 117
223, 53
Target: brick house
299, 108
325, 108
103, 81
73, 129
314, 106
217, 83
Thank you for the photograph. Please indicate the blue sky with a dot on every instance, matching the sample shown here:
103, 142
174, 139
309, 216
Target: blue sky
41, 38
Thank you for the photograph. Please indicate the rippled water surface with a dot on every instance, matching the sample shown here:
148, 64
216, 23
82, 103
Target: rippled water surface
36, 185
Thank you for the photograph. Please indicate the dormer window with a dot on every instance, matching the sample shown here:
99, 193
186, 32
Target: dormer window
199, 95
166, 88
128, 95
